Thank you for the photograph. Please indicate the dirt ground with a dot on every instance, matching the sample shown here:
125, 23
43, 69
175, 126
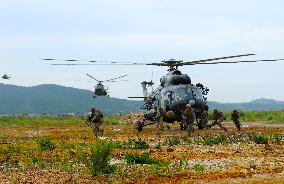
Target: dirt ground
232, 162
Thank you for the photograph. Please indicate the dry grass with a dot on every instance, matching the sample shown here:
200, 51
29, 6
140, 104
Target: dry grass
236, 159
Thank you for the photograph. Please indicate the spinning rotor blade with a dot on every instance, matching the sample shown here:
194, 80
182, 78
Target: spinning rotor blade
113, 79
112, 63
214, 59
93, 78
91, 61
116, 81
70, 60
248, 61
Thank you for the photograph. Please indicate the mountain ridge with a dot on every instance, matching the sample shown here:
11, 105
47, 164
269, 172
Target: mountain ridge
52, 98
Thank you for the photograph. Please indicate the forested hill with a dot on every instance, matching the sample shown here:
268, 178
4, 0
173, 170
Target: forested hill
49, 98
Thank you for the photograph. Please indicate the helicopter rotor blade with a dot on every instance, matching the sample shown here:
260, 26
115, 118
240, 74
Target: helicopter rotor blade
76, 64
113, 79
71, 60
91, 61
214, 59
116, 81
93, 78
245, 61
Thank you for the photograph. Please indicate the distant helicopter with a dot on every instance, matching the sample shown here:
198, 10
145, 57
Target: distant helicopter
100, 90
175, 91
6, 77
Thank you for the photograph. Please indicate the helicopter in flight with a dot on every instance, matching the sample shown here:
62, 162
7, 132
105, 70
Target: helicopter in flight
100, 89
6, 77
175, 91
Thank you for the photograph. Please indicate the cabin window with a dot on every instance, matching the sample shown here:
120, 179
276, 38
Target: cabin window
197, 94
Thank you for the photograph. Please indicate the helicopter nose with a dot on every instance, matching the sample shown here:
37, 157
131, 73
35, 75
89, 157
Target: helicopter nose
170, 114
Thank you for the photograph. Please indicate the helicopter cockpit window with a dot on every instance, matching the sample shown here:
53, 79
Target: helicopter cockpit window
197, 94
177, 72
181, 94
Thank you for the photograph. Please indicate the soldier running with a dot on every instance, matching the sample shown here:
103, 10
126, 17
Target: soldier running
236, 119
218, 117
188, 117
95, 120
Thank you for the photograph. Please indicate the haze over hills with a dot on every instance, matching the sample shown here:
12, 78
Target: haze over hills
49, 98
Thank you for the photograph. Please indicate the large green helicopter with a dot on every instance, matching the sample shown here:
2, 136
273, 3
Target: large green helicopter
175, 91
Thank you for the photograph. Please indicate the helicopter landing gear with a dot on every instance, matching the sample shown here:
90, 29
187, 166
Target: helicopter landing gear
202, 121
138, 125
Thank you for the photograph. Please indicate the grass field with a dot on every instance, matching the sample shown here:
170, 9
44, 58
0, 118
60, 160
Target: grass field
65, 150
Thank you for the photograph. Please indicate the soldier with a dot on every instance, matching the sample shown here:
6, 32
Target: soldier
159, 119
236, 119
188, 117
95, 120
218, 117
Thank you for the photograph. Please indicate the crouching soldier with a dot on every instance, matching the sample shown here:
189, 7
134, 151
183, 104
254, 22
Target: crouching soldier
236, 119
188, 117
218, 117
95, 120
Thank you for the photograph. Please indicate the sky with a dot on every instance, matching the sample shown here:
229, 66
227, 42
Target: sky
145, 31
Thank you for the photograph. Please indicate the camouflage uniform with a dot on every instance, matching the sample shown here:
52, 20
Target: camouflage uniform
236, 119
218, 117
159, 119
188, 117
95, 120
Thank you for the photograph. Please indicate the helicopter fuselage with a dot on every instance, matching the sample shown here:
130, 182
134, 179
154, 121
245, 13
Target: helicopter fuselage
173, 100
100, 90
171, 97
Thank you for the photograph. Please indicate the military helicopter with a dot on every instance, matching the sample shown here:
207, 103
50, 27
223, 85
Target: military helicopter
175, 91
6, 77
100, 89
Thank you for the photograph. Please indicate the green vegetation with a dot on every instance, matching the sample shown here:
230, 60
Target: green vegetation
214, 140
199, 168
132, 144
47, 120
259, 139
45, 144
142, 159
100, 158
112, 120
172, 141
272, 116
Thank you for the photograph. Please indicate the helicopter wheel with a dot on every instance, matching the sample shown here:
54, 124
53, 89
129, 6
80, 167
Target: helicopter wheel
138, 125
202, 123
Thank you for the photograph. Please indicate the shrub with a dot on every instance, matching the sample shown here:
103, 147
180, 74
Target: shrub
132, 144
140, 144
45, 144
214, 140
14, 149
141, 159
199, 168
277, 138
172, 141
259, 139
100, 158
